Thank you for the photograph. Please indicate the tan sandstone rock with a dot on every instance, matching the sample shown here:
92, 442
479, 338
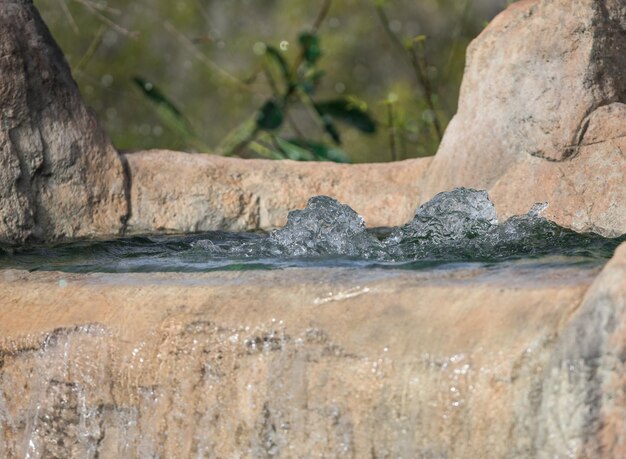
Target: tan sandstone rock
180, 192
540, 117
586, 192
60, 178
291, 363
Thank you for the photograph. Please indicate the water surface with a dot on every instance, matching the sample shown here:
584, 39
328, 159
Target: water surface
455, 230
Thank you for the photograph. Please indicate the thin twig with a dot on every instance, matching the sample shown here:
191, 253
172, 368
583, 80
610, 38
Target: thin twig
321, 16
204, 59
384, 21
93, 47
392, 131
419, 65
319, 20
100, 7
69, 16
106, 20
272, 83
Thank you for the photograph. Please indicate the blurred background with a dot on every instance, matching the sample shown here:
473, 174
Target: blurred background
370, 80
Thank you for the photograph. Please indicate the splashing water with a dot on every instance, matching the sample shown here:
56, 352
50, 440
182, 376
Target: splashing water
456, 226
324, 228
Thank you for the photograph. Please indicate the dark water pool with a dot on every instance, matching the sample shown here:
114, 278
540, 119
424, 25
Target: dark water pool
190, 254
456, 228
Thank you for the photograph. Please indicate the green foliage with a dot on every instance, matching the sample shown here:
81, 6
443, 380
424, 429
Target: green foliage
294, 151
322, 151
216, 68
350, 111
311, 50
270, 117
298, 89
278, 57
168, 111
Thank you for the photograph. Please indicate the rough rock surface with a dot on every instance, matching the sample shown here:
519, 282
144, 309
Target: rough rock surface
585, 381
59, 176
343, 363
585, 193
180, 192
536, 80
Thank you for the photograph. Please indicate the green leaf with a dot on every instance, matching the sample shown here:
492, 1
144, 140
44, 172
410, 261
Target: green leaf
330, 128
165, 108
277, 56
409, 43
270, 116
322, 151
238, 137
350, 112
311, 50
311, 79
262, 150
293, 151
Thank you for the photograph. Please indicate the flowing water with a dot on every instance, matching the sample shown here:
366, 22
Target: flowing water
455, 228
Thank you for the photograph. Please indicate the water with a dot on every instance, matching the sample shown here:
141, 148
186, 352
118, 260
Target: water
455, 228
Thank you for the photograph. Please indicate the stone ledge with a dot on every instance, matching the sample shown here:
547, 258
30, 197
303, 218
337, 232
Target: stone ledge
179, 192
336, 361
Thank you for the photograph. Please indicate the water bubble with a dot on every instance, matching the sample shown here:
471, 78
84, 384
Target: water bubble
324, 227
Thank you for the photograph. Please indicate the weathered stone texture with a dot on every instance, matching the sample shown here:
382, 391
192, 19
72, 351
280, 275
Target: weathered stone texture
536, 79
585, 193
180, 192
59, 175
585, 384
291, 362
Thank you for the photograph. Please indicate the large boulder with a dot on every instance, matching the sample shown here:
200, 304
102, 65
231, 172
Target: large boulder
59, 175
180, 192
537, 80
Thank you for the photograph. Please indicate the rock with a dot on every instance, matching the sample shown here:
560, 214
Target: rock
585, 382
180, 192
586, 192
536, 81
60, 178
342, 362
